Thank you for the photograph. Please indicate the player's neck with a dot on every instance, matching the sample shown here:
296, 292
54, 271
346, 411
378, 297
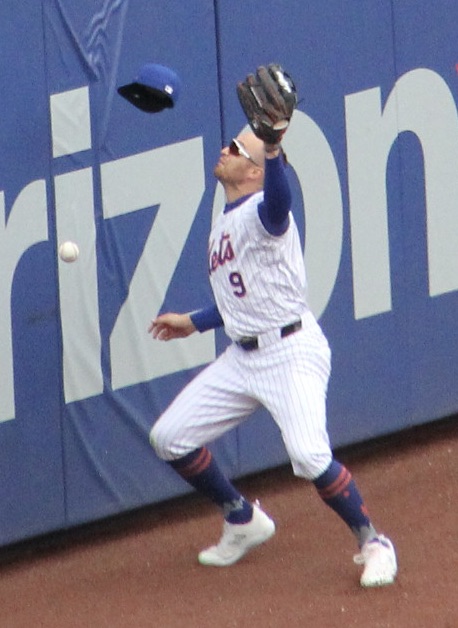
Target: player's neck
235, 192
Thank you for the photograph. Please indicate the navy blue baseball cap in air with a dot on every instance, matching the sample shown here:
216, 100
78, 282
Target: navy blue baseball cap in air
155, 88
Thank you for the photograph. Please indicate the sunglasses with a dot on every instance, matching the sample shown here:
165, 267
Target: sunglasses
236, 148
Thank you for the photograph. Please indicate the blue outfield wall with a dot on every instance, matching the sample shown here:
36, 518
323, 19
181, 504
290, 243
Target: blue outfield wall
373, 149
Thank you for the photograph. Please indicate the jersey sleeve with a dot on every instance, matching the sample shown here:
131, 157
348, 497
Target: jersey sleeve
274, 209
207, 318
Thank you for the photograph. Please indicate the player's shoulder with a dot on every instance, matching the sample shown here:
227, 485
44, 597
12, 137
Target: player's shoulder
244, 209
254, 199
251, 204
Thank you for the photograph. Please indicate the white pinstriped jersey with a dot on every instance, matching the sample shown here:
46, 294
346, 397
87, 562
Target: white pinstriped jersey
258, 279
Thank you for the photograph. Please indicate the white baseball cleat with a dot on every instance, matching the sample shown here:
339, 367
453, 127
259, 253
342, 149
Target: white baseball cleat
238, 539
379, 560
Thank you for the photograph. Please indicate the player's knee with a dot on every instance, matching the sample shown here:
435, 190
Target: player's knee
160, 442
153, 439
311, 465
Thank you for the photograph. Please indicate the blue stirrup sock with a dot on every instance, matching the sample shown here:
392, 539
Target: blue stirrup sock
338, 490
201, 471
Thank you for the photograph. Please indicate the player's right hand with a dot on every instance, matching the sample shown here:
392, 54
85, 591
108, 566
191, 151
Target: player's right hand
170, 326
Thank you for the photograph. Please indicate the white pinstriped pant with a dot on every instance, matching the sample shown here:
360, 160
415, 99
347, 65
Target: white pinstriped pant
289, 378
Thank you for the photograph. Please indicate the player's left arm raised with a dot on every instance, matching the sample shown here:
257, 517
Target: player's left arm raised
268, 99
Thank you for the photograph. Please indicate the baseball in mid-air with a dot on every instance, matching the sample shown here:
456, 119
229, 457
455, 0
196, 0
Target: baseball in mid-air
68, 251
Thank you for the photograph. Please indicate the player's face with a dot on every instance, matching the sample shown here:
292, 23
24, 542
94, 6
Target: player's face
244, 153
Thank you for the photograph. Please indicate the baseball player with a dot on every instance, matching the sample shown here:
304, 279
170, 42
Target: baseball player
278, 357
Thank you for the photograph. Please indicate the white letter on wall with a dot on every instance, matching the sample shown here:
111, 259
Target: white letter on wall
27, 225
78, 291
313, 161
369, 139
427, 108
132, 184
422, 103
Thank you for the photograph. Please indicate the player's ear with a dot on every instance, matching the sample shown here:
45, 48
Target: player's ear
256, 173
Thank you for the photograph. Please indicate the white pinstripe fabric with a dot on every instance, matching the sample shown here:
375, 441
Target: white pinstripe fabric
271, 267
288, 377
211, 404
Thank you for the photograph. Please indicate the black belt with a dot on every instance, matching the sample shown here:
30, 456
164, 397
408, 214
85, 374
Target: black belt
250, 343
